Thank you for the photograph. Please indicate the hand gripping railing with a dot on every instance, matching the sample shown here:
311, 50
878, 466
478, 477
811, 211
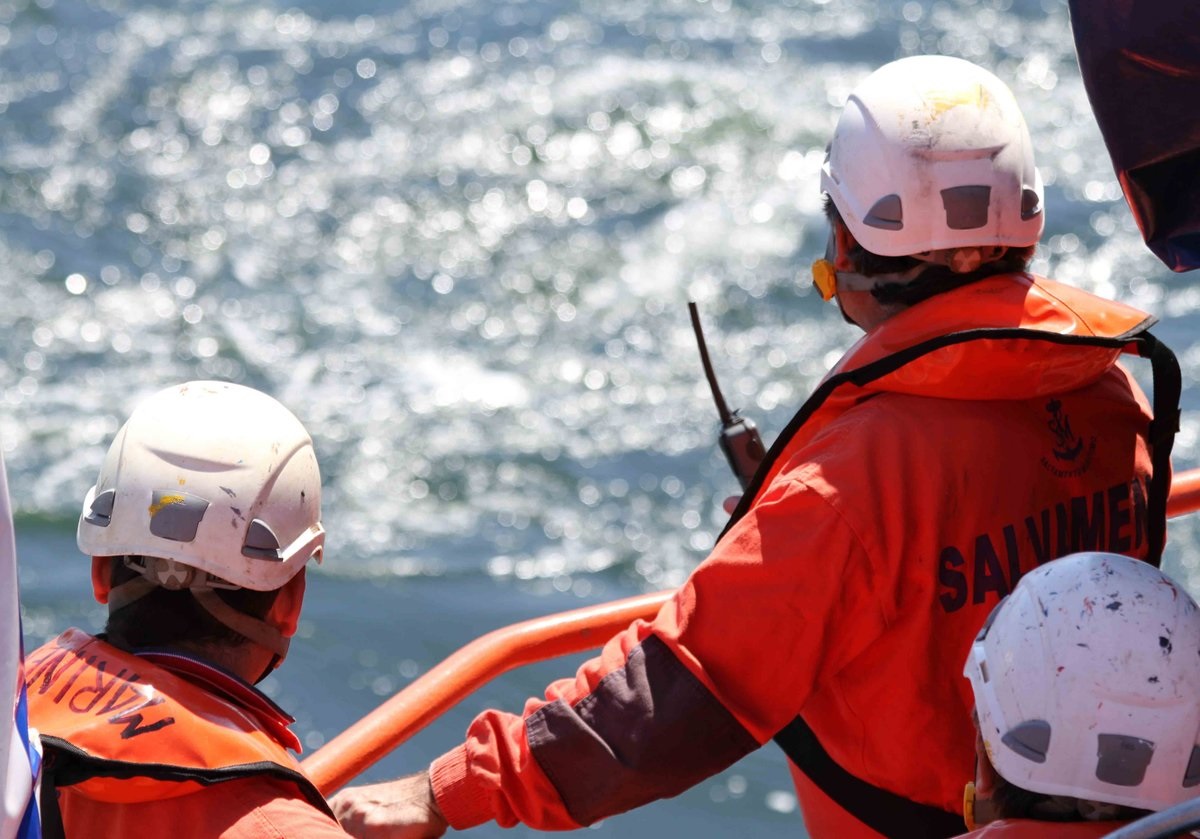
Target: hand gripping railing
485, 658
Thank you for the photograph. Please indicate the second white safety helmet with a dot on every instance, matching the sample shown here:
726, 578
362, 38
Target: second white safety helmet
212, 476
932, 153
1087, 683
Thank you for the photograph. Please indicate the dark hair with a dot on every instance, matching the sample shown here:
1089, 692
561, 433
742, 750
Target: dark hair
165, 618
1014, 802
935, 279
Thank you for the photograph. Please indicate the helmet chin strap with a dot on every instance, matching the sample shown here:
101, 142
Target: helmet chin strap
850, 281
963, 260
155, 572
127, 592
256, 630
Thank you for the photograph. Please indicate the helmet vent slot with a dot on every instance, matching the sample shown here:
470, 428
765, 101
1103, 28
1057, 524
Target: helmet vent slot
886, 213
1031, 204
966, 206
261, 542
1122, 759
100, 513
176, 515
1191, 776
1030, 739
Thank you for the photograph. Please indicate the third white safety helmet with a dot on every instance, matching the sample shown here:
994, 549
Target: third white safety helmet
1087, 683
931, 153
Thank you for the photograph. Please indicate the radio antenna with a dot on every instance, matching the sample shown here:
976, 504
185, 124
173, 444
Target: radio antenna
739, 438
727, 416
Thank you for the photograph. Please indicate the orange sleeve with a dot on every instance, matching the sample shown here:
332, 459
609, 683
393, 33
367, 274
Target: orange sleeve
729, 661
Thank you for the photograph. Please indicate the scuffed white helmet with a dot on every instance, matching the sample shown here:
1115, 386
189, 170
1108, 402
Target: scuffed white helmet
213, 476
1087, 683
931, 153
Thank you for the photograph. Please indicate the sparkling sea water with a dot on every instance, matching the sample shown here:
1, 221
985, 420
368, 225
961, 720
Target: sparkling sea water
457, 238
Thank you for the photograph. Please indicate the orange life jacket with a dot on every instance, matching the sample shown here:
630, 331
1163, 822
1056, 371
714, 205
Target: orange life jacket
946, 348
121, 729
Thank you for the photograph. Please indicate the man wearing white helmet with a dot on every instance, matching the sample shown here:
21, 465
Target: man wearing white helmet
205, 513
1087, 691
981, 427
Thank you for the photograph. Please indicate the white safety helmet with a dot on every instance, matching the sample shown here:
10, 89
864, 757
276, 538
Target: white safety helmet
210, 476
931, 153
1087, 683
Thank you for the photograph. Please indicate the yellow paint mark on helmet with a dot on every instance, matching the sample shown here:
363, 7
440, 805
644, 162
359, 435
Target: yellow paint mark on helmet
942, 100
165, 501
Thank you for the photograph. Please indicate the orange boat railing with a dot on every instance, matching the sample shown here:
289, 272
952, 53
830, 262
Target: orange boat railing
1185, 493
485, 658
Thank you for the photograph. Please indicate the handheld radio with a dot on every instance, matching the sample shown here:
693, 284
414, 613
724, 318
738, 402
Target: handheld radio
739, 435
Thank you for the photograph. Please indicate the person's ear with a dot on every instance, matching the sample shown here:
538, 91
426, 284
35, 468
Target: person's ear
845, 242
101, 577
982, 807
284, 614
986, 779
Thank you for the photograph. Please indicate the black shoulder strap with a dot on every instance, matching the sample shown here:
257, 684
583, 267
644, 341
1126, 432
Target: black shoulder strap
51, 815
884, 812
1168, 386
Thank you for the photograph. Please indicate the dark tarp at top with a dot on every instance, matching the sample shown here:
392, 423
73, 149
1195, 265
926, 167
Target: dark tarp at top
1140, 61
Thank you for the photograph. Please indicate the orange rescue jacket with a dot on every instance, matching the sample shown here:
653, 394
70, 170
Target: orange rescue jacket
1000, 339
119, 729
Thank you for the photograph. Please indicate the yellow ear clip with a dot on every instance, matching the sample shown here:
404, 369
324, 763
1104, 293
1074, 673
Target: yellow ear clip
824, 279
969, 806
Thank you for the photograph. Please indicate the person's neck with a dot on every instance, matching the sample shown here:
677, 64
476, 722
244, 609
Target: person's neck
864, 311
247, 661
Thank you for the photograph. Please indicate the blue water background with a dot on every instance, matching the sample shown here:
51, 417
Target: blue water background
457, 238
